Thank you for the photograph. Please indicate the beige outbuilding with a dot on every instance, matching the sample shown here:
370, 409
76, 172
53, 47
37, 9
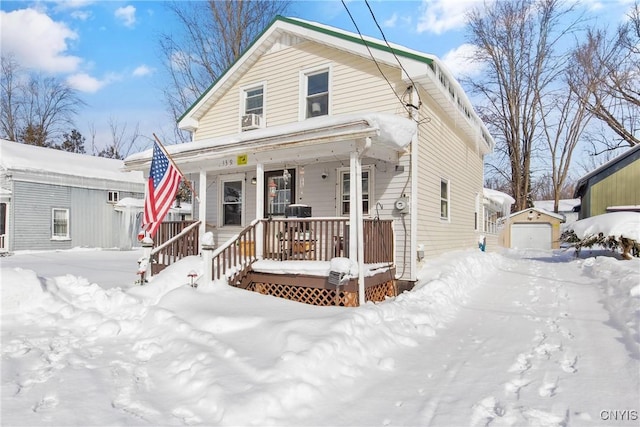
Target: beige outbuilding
533, 229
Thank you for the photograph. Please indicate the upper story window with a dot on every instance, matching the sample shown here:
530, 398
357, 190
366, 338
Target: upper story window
252, 108
253, 101
317, 94
113, 197
444, 199
59, 224
345, 190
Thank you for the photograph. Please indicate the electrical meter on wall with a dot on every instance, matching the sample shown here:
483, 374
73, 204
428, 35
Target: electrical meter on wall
402, 205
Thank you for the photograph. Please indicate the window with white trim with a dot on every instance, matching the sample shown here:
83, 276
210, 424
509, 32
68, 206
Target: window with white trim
113, 196
344, 177
232, 201
59, 224
254, 100
317, 93
444, 199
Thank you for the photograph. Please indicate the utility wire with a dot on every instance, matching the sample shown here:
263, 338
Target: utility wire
376, 62
392, 50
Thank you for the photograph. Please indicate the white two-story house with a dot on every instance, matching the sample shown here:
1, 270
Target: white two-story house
319, 144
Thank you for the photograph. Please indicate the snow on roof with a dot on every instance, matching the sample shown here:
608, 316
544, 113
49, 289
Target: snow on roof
564, 205
134, 203
542, 211
625, 224
15, 156
498, 197
394, 131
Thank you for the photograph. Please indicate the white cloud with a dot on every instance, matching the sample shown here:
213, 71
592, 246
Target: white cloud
81, 15
142, 71
127, 15
83, 82
439, 16
73, 4
459, 61
391, 22
36, 41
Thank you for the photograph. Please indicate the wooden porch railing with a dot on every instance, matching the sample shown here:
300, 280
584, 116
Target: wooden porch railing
234, 258
315, 239
175, 240
321, 239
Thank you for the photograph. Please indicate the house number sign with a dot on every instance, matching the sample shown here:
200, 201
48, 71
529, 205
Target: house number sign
240, 160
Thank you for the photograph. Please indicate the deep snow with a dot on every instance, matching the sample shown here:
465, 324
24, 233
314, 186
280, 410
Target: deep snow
514, 338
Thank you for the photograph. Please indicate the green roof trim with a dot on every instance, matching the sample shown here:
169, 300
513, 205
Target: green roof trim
347, 37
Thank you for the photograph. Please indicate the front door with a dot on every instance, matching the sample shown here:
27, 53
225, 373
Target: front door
279, 191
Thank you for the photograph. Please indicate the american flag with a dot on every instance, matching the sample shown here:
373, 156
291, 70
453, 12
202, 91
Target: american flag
162, 186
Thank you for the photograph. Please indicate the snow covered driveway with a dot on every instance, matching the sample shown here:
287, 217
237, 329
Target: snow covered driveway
484, 339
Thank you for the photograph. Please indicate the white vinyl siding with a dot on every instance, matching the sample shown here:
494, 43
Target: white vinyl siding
446, 152
351, 77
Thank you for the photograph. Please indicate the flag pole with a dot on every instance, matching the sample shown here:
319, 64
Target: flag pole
186, 181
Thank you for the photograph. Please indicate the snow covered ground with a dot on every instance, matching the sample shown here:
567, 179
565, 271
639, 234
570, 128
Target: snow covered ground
509, 339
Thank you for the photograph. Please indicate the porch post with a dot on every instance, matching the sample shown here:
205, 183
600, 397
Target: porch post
259, 210
202, 205
356, 227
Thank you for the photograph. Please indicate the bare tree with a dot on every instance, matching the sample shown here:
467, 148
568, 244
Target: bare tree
35, 109
214, 34
563, 124
9, 98
516, 40
608, 66
122, 143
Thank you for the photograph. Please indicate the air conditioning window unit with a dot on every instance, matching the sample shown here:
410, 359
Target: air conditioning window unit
251, 121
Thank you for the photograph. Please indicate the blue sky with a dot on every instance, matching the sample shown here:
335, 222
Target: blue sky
108, 50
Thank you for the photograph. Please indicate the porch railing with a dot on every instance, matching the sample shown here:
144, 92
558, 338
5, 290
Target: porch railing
321, 239
315, 239
176, 240
234, 258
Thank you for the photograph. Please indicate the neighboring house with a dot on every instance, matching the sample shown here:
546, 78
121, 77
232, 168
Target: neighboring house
611, 187
533, 228
496, 207
52, 199
316, 123
568, 208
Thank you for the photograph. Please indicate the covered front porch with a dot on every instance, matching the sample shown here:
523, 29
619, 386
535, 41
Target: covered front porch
298, 260
279, 205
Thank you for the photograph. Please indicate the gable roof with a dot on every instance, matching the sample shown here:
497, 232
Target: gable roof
41, 163
607, 169
424, 69
541, 212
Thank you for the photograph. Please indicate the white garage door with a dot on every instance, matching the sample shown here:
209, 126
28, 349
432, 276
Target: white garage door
531, 236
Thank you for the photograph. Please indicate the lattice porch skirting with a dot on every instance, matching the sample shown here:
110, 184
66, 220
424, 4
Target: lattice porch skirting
316, 290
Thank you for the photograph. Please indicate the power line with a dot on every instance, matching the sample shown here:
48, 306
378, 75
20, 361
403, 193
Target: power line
392, 50
375, 61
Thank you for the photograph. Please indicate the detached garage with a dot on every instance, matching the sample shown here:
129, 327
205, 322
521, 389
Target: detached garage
534, 229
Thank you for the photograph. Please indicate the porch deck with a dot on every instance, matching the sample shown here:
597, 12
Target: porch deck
291, 240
